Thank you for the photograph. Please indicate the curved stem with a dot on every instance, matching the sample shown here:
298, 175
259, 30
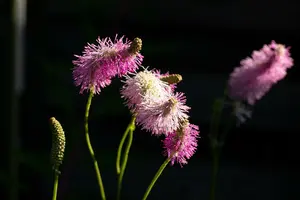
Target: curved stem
120, 178
118, 166
157, 175
86, 126
55, 185
129, 132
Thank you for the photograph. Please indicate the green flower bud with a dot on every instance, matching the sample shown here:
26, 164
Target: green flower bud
135, 46
58, 143
172, 78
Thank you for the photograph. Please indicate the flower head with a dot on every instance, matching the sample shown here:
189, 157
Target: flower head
181, 145
102, 61
256, 75
144, 88
163, 117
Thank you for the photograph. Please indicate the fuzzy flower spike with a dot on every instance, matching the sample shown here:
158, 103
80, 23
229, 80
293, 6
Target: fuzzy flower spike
144, 87
181, 144
150, 96
102, 61
256, 75
163, 117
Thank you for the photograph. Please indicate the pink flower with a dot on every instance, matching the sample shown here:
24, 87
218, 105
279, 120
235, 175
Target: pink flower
163, 117
105, 60
256, 75
157, 108
144, 88
181, 145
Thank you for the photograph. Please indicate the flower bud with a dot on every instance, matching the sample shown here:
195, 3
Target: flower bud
58, 143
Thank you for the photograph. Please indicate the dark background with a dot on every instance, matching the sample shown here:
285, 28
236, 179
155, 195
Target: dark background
201, 40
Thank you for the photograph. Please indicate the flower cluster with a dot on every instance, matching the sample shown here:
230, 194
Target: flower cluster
150, 95
162, 111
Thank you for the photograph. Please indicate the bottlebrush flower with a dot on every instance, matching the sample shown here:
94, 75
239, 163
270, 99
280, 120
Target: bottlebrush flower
181, 145
144, 87
256, 75
102, 61
163, 117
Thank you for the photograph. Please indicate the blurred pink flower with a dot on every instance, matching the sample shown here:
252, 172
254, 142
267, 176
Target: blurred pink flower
105, 60
254, 78
181, 145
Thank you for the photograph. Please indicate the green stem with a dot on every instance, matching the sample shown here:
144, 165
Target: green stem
215, 155
118, 166
213, 135
157, 175
86, 126
130, 129
55, 185
216, 117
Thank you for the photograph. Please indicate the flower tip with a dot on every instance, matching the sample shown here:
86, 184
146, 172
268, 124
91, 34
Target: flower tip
172, 78
135, 46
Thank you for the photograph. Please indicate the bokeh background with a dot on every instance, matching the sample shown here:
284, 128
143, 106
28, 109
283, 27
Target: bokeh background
201, 40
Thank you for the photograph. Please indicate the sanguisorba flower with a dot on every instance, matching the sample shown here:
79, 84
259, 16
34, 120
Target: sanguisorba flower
158, 109
163, 117
256, 75
180, 145
102, 61
144, 87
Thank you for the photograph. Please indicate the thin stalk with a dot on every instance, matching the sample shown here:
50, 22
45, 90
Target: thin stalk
157, 175
213, 135
129, 132
215, 155
55, 185
88, 141
119, 153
